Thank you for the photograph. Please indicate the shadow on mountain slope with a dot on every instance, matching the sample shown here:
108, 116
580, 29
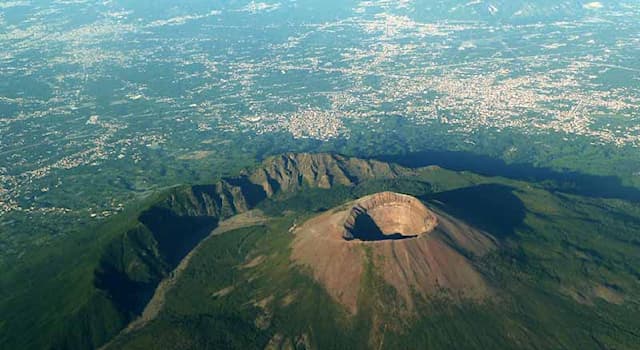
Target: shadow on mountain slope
493, 208
564, 181
176, 235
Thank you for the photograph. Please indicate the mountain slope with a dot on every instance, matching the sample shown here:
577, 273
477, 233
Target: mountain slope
240, 290
118, 269
563, 273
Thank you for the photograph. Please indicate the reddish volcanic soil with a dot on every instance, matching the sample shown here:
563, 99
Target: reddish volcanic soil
414, 248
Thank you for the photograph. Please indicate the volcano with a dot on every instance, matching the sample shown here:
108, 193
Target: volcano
322, 251
415, 248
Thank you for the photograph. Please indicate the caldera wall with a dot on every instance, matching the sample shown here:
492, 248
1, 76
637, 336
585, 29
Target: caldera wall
388, 215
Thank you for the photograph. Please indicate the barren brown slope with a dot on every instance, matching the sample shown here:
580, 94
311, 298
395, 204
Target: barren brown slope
427, 262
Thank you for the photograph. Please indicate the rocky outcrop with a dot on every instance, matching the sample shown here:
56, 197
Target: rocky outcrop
223, 199
291, 172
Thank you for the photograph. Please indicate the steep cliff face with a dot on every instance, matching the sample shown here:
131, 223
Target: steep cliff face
133, 263
225, 198
290, 172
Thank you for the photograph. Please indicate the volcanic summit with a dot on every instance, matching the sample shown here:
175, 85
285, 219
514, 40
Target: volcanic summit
414, 248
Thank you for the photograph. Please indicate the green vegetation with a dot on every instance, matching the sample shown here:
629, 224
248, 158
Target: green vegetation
82, 297
567, 274
540, 262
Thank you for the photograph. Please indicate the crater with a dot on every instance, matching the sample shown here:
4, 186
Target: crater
388, 216
419, 249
